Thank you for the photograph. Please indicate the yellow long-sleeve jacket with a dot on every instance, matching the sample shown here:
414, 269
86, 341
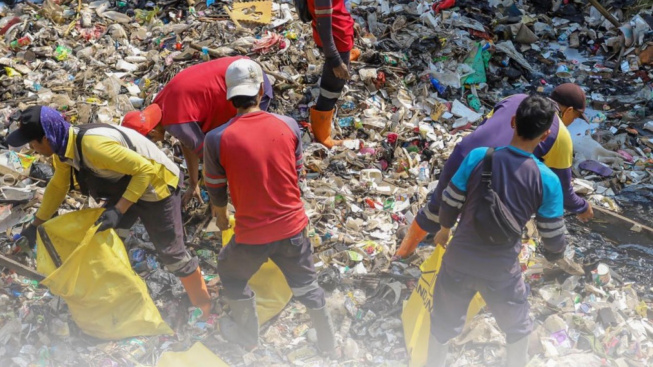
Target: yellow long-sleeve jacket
108, 156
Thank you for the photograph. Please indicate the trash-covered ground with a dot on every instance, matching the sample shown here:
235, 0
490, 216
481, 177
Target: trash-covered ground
423, 81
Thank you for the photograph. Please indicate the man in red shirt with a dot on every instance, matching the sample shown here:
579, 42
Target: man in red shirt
258, 155
192, 104
333, 32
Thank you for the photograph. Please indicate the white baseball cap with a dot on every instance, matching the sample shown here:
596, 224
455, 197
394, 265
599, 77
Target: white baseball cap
244, 78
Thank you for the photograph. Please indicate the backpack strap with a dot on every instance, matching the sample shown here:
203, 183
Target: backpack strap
74, 174
82, 131
486, 176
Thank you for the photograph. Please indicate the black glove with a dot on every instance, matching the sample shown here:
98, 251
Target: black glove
109, 219
551, 256
29, 232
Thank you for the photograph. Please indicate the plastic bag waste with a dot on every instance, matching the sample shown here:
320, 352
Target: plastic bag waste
416, 316
106, 298
270, 300
197, 356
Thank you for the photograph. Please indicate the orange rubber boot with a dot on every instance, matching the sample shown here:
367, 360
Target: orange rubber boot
414, 236
197, 292
321, 125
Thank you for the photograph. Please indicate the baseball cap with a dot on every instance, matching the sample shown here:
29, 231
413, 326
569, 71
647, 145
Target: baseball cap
143, 121
29, 127
244, 78
570, 95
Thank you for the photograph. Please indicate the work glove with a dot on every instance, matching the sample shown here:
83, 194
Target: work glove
551, 256
29, 232
109, 219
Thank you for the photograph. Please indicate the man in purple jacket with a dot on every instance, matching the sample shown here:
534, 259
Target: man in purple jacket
556, 151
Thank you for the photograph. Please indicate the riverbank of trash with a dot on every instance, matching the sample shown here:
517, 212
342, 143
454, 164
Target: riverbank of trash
425, 79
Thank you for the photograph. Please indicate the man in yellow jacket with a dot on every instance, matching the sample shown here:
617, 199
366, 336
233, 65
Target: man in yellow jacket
117, 164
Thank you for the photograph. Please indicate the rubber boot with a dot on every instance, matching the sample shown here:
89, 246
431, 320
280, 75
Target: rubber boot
414, 236
321, 125
241, 326
197, 292
437, 353
321, 319
517, 353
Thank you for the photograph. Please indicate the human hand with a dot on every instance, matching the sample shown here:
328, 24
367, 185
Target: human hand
551, 256
193, 191
587, 215
29, 232
109, 219
442, 237
341, 71
222, 222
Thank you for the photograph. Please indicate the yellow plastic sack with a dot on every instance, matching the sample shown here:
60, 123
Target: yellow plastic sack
197, 356
106, 298
268, 283
416, 316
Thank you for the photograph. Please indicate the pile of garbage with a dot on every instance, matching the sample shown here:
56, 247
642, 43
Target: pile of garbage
427, 75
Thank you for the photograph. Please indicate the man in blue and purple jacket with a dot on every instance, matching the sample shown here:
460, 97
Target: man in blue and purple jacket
556, 151
471, 263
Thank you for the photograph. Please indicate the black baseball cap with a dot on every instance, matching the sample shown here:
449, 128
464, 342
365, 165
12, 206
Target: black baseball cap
29, 127
571, 95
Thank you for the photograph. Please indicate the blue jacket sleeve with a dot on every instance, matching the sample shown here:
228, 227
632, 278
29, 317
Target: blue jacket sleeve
550, 220
455, 195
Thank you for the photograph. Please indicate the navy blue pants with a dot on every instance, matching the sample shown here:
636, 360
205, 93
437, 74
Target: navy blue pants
238, 262
507, 300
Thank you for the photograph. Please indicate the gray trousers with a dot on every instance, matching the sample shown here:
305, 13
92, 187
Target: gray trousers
238, 262
507, 300
162, 220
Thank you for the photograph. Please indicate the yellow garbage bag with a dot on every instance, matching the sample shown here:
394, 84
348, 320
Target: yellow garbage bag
197, 356
268, 283
416, 316
106, 298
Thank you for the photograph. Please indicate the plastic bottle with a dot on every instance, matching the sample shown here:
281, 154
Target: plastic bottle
441, 89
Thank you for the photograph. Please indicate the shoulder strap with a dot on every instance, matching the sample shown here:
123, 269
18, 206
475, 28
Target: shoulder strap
486, 176
82, 131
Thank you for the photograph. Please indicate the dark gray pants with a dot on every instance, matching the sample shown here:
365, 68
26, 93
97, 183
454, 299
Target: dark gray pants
238, 262
162, 220
507, 300
330, 86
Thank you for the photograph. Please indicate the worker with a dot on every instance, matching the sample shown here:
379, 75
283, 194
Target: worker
192, 104
556, 151
333, 32
117, 164
472, 263
258, 156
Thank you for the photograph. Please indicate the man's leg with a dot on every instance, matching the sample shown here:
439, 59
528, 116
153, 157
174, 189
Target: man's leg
508, 302
451, 298
236, 265
330, 86
322, 113
162, 220
294, 258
